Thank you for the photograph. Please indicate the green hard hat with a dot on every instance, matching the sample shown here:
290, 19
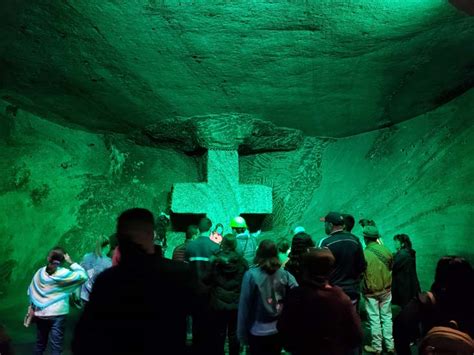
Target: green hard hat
238, 222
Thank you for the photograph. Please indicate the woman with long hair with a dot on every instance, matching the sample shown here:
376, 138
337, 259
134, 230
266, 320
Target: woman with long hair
300, 244
49, 293
405, 284
264, 289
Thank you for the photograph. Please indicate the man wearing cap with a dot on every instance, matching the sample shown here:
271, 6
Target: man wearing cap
376, 290
347, 249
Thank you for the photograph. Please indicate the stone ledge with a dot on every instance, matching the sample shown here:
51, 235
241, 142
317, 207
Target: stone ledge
232, 131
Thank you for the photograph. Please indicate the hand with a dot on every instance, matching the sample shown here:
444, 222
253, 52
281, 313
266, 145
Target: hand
68, 259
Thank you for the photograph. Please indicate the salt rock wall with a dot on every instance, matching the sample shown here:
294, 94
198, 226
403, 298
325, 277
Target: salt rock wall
62, 186
414, 178
66, 186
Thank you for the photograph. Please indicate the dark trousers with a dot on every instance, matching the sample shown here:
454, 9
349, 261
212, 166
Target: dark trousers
225, 326
202, 332
265, 345
51, 328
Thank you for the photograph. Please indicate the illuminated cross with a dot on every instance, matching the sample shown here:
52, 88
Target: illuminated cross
222, 197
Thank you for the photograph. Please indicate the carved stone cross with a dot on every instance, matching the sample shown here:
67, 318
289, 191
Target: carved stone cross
221, 197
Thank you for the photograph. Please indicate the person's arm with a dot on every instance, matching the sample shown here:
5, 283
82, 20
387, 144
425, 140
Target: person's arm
359, 260
352, 325
187, 253
73, 277
243, 322
390, 262
292, 283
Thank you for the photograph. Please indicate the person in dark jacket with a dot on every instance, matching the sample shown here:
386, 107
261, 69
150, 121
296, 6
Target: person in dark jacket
139, 306
347, 249
198, 255
451, 299
227, 270
318, 318
405, 284
300, 244
180, 251
199, 251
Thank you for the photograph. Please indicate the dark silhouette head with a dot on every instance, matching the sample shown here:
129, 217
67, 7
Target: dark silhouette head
333, 222
349, 222
453, 278
267, 256
136, 227
229, 242
367, 222
283, 246
404, 240
55, 259
191, 232
204, 225
318, 264
300, 244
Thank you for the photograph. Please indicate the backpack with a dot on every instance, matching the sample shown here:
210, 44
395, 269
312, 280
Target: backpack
446, 339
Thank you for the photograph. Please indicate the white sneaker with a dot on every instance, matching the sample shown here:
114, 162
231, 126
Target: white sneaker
369, 349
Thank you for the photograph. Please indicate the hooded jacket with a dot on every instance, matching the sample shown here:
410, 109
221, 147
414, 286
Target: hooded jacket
261, 301
227, 271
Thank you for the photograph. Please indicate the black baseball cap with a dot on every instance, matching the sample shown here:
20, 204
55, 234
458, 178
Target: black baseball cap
335, 218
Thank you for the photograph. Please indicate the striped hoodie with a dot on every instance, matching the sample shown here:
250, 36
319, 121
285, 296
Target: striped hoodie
49, 294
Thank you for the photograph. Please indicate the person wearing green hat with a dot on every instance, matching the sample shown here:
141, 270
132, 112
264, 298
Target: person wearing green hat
376, 288
246, 242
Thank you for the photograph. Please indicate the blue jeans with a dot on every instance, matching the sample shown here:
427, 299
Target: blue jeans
52, 328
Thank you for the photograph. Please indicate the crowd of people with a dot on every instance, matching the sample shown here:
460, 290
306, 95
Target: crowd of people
254, 295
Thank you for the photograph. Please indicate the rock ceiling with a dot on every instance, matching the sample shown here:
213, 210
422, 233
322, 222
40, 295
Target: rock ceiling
330, 68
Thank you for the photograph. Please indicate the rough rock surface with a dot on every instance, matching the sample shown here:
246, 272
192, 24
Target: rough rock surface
225, 132
65, 186
329, 68
412, 178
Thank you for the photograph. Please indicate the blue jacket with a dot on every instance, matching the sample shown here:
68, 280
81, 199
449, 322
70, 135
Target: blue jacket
261, 300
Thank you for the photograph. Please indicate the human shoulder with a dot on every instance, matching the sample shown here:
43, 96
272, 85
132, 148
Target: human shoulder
107, 278
341, 237
339, 293
174, 265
